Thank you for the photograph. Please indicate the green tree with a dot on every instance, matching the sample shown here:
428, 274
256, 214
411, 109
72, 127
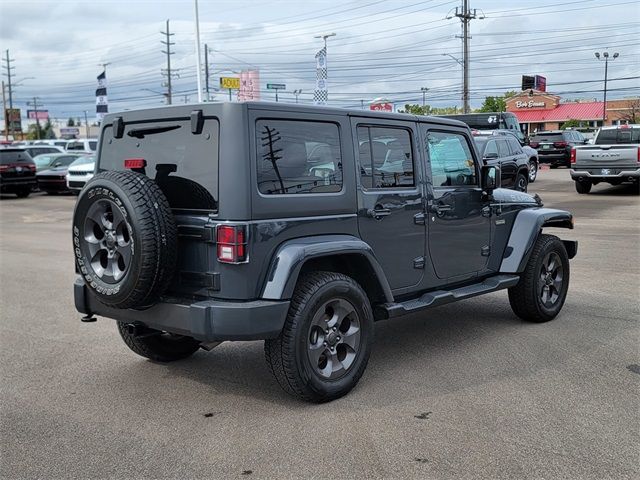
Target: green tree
496, 104
46, 131
71, 122
571, 123
415, 109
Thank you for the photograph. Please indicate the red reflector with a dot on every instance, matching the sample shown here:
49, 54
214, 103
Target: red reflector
4, 167
624, 126
573, 155
231, 244
638, 154
132, 163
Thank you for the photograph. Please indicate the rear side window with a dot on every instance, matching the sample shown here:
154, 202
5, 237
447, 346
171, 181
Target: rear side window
452, 163
514, 146
298, 157
503, 148
75, 146
618, 135
13, 156
183, 164
385, 157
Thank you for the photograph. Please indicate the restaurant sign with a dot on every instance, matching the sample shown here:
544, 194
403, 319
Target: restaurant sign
530, 104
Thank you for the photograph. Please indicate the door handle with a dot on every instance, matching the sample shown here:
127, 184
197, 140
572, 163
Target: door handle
440, 209
378, 212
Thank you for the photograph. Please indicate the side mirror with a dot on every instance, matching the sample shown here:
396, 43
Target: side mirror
490, 178
490, 156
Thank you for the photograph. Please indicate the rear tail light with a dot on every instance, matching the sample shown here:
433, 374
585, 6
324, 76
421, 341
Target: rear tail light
231, 243
534, 144
559, 144
135, 163
4, 167
31, 167
638, 154
573, 155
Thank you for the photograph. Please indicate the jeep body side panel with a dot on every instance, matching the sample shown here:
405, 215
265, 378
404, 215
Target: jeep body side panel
525, 231
285, 267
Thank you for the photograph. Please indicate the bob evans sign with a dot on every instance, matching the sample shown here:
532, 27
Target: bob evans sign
530, 104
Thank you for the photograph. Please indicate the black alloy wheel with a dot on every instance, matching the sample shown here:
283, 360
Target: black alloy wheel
533, 170
550, 279
334, 338
108, 241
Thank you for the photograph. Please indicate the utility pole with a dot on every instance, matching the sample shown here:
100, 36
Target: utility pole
198, 66
206, 71
86, 124
8, 73
605, 55
6, 118
35, 110
167, 43
465, 17
424, 95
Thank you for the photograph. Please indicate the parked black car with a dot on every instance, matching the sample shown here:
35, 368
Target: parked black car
17, 172
554, 146
54, 179
505, 152
300, 226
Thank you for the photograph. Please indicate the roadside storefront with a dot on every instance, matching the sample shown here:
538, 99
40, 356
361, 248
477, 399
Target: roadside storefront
537, 111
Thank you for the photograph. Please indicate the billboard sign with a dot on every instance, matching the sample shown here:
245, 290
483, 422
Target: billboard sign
383, 107
231, 83
41, 114
12, 117
540, 83
69, 132
249, 85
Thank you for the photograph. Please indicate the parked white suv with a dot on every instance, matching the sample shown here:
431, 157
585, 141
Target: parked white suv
88, 145
80, 172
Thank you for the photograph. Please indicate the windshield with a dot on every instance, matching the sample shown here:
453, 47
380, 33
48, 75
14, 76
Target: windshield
42, 160
618, 135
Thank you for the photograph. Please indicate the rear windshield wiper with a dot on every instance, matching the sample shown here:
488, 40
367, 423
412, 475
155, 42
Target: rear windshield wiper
141, 132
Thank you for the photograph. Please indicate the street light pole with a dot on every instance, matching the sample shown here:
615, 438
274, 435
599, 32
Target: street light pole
605, 55
424, 95
86, 124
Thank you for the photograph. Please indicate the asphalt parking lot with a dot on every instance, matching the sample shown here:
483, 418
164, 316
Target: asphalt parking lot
464, 391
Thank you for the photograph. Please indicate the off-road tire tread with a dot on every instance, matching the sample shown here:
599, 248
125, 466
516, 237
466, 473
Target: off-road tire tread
149, 347
278, 351
583, 187
157, 231
523, 297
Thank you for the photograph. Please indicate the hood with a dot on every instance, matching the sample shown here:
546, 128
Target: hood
503, 195
60, 171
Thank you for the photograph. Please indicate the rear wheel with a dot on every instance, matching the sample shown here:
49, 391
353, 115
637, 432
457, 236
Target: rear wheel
583, 187
159, 346
324, 346
542, 289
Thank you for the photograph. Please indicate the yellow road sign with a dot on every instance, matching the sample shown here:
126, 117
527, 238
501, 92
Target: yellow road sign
232, 83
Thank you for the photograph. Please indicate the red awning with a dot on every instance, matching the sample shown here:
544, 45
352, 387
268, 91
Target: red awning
562, 113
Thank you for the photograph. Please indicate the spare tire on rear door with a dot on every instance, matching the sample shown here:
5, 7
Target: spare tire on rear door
124, 239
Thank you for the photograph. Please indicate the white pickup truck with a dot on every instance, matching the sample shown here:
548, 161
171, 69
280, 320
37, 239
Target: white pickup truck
614, 157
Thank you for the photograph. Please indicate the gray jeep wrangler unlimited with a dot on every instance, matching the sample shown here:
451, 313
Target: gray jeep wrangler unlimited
300, 226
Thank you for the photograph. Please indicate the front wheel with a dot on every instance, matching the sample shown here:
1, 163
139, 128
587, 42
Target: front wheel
583, 187
522, 182
542, 289
324, 346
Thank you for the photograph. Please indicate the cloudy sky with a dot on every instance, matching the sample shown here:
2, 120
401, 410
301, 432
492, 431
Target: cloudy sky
383, 48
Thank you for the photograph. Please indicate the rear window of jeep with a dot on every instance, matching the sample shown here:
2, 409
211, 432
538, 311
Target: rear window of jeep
183, 164
298, 157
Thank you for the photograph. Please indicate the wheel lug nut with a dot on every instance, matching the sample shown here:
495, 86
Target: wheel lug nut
334, 329
338, 338
324, 343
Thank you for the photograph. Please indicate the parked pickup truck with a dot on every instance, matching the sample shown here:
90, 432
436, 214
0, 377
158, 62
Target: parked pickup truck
613, 158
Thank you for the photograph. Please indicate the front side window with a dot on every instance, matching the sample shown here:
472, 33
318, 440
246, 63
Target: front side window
492, 148
452, 163
503, 149
298, 157
385, 157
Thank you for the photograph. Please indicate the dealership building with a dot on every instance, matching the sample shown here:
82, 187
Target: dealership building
537, 111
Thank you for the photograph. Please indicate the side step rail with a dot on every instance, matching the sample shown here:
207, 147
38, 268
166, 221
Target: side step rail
442, 297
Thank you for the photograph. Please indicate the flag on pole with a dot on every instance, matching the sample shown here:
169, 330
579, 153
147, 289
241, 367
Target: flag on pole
321, 93
102, 104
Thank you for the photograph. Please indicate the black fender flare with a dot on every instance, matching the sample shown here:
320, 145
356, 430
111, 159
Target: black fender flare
526, 228
290, 257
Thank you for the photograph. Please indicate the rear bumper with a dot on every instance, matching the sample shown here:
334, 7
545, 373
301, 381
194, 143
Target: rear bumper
58, 185
208, 321
11, 185
553, 158
596, 174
